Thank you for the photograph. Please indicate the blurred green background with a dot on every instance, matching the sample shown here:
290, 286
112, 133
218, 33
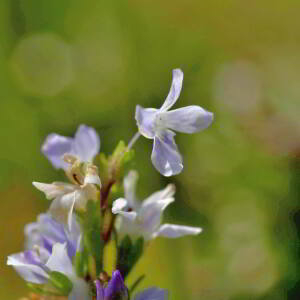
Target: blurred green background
66, 62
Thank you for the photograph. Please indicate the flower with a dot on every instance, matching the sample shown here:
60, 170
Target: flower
46, 232
158, 124
116, 289
68, 196
144, 219
85, 146
35, 266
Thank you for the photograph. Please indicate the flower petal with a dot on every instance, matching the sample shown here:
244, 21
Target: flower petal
165, 155
59, 260
152, 294
54, 189
189, 119
175, 231
119, 206
145, 118
167, 192
26, 269
54, 147
174, 91
129, 183
86, 143
150, 214
116, 288
62, 207
99, 290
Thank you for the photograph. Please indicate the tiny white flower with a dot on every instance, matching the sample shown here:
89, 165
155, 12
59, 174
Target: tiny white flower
144, 219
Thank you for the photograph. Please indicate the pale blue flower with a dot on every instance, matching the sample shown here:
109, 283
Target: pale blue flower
144, 218
35, 266
158, 124
46, 232
85, 146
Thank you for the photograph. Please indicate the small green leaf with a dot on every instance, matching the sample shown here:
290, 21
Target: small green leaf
61, 282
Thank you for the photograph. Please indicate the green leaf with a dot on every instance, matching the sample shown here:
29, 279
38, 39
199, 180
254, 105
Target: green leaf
93, 242
128, 254
61, 282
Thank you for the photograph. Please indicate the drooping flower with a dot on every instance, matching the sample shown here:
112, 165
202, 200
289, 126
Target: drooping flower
144, 219
116, 290
35, 266
67, 196
46, 232
84, 146
158, 124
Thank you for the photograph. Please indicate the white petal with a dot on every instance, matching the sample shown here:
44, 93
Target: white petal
167, 192
86, 143
130, 182
165, 155
119, 205
118, 208
174, 91
152, 294
62, 207
54, 147
189, 119
55, 189
150, 214
59, 260
175, 231
92, 179
145, 118
27, 271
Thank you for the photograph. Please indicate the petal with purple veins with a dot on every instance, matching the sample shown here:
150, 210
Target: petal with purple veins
189, 119
165, 155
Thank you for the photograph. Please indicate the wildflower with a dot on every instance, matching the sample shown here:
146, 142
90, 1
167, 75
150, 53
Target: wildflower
69, 196
158, 124
46, 232
35, 266
116, 289
84, 146
144, 219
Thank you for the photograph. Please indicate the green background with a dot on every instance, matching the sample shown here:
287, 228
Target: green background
63, 63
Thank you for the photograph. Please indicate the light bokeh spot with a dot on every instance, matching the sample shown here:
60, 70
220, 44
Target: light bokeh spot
42, 64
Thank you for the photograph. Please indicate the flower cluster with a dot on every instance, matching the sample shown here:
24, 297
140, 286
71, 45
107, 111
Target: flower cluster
64, 251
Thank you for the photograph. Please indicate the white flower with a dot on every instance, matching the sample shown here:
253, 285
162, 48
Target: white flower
144, 219
158, 124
